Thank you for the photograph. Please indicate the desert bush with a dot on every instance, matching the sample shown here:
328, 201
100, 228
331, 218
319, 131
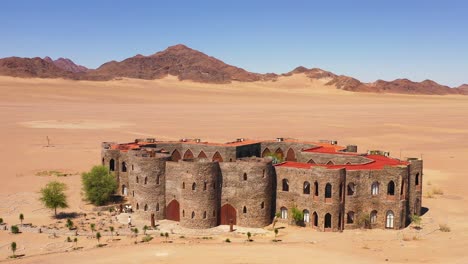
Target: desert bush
437, 191
416, 220
14, 229
147, 238
69, 239
429, 195
1, 221
363, 221
444, 228
69, 224
227, 240
298, 216
13, 249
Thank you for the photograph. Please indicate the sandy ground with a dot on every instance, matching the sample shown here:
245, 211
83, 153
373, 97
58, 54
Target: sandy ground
78, 116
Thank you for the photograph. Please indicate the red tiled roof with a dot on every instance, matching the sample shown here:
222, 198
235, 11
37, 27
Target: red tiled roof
378, 162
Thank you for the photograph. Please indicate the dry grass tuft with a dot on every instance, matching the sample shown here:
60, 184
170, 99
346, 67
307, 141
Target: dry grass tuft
444, 228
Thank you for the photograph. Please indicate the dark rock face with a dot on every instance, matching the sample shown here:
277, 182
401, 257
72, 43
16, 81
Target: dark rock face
32, 67
69, 65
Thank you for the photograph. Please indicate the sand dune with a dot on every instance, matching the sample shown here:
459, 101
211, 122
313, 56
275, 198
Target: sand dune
78, 115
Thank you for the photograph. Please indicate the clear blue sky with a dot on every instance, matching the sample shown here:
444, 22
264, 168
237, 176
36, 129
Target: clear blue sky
366, 39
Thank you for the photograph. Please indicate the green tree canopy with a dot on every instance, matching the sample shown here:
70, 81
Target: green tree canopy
98, 184
53, 196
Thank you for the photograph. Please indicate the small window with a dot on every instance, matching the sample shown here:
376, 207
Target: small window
157, 207
263, 174
375, 188
330, 163
262, 205
146, 207
133, 193
193, 215
124, 167
245, 176
328, 221
391, 188
316, 189
204, 215
157, 179
244, 210
112, 165
194, 186
328, 190
214, 185
390, 219
214, 213
416, 179
351, 189
306, 188
137, 180
138, 206
146, 180
183, 185
285, 185
350, 217
205, 186
133, 168
306, 214
183, 213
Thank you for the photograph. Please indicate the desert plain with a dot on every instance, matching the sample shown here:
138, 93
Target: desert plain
78, 115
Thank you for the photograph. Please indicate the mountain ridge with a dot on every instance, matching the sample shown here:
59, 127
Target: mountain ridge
189, 64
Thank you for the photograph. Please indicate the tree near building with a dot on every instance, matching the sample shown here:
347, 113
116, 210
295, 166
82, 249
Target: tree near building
53, 196
21, 218
99, 185
13, 248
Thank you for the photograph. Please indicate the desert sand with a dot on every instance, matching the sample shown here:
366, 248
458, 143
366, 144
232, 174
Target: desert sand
78, 115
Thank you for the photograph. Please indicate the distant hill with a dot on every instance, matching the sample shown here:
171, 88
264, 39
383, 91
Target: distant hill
193, 65
67, 65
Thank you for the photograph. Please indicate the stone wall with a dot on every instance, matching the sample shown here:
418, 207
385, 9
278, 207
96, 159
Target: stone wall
294, 195
336, 159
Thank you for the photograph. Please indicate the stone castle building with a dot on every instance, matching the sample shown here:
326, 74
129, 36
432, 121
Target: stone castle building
248, 182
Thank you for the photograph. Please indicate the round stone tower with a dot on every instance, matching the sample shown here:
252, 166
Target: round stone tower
146, 181
200, 193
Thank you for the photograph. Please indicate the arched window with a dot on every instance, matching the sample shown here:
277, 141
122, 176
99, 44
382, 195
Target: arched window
316, 189
137, 179
315, 219
133, 168
290, 155
306, 216
285, 185
188, 154
157, 179
328, 221
350, 217
351, 189
112, 165
330, 163
245, 176
146, 207
202, 155
138, 206
391, 188
205, 185
176, 155
266, 153
183, 185
183, 213
194, 186
375, 188
306, 188
193, 215
204, 215
262, 205
279, 154
217, 157
373, 217
157, 207
244, 210
263, 175
328, 190
124, 167
416, 179
311, 161
146, 180
284, 213
133, 193
124, 190
389, 221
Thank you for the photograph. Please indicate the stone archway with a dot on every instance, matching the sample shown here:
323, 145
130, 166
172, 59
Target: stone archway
202, 155
290, 155
217, 157
176, 155
188, 154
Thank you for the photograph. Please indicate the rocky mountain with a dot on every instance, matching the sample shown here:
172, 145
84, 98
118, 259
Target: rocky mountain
67, 65
178, 60
32, 67
189, 64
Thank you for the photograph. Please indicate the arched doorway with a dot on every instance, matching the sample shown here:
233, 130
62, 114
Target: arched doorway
176, 155
279, 154
290, 155
328, 221
228, 215
202, 155
217, 157
389, 220
266, 153
188, 154
315, 219
173, 211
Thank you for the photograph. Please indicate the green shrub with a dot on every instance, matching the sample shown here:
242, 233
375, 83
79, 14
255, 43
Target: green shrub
53, 196
99, 185
227, 240
444, 228
147, 238
298, 216
14, 229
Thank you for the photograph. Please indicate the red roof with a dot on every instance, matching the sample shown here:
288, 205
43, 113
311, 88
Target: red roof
378, 162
